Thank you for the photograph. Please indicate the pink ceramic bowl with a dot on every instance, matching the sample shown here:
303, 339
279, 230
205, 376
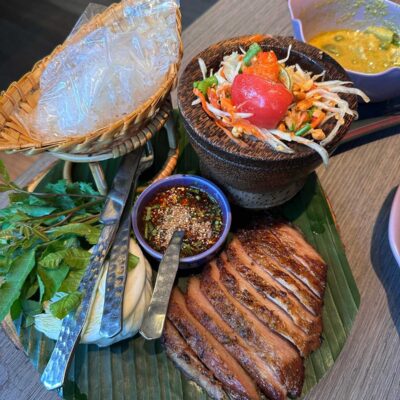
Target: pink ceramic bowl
394, 227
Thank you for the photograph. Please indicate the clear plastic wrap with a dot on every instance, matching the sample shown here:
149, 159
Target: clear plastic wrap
109, 73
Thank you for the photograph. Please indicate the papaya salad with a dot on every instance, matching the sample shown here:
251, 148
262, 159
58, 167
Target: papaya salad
256, 95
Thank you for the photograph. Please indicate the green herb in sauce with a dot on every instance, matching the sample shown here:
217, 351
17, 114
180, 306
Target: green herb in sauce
187, 208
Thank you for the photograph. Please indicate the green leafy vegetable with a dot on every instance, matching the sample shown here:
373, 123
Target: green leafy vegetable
44, 243
89, 232
14, 279
61, 308
77, 258
52, 260
30, 309
72, 281
52, 280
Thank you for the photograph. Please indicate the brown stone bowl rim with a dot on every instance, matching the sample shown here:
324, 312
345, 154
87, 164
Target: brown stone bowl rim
200, 125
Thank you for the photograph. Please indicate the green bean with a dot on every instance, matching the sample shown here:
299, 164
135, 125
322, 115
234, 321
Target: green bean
205, 84
253, 50
303, 130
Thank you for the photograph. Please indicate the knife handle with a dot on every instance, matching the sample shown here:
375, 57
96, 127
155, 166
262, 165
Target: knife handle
153, 323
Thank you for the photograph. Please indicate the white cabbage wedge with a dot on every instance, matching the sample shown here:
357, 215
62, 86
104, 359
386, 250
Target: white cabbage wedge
138, 292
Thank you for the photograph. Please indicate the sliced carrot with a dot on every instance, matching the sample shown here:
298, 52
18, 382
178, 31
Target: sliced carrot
213, 98
258, 37
316, 121
226, 105
203, 102
229, 134
248, 127
282, 127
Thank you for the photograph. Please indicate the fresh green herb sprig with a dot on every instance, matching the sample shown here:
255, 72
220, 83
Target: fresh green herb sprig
44, 243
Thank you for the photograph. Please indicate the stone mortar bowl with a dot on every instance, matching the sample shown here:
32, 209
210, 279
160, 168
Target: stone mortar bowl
255, 176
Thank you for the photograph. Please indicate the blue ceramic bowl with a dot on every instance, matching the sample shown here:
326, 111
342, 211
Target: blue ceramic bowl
183, 180
311, 17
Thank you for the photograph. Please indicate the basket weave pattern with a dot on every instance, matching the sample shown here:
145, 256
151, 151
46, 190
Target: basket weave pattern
24, 94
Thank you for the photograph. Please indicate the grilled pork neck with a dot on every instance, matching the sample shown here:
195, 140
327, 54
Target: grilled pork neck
246, 323
256, 366
214, 356
186, 360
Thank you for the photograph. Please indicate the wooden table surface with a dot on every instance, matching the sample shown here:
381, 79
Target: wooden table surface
360, 184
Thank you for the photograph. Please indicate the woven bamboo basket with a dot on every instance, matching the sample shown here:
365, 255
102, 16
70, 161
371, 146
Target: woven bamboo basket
24, 94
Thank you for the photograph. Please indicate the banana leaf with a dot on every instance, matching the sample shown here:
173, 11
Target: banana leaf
136, 369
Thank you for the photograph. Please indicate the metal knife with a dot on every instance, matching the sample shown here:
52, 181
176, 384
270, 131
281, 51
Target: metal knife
55, 372
111, 321
154, 319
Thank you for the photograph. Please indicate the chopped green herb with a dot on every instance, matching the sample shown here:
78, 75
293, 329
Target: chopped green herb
303, 130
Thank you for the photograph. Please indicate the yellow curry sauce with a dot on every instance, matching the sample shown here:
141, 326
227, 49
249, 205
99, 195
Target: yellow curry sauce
373, 50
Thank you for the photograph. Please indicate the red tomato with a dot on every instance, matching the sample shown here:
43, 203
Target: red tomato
268, 101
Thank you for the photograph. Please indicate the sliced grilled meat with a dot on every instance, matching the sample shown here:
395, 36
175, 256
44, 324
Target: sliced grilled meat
265, 310
270, 245
247, 356
248, 249
294, 240
280, 354
186, 360
270, 289
216, 358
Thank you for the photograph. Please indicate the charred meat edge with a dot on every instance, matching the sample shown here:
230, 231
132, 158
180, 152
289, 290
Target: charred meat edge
266, 311
267, 242
271, 289
293, 238
186, 361
224, 367
256, 367
289, 281
281, 355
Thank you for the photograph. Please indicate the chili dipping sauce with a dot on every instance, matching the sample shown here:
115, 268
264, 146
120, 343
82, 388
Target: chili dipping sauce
182, 208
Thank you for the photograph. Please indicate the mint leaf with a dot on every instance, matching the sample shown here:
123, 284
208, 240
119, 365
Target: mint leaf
15, 278
52, 280
61, 308
72, 281
77, 258
132, 261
